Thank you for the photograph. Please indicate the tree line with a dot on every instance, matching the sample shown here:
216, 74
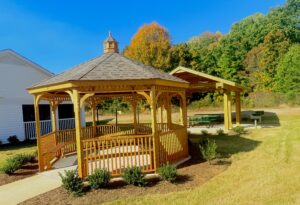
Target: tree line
261, 52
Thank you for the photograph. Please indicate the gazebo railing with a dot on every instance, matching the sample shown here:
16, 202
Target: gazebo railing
116, 147
172, 145
117, 153
48, 150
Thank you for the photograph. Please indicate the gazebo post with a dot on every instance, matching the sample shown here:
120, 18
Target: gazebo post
183, 110
169, 111
161, 105
134, 105
153, 104
38, 131
237, 108
76, 102
53, 107
93, 107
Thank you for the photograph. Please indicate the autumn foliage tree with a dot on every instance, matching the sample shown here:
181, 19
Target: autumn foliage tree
150, 45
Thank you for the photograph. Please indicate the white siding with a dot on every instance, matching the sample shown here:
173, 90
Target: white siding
11, 120
15, 76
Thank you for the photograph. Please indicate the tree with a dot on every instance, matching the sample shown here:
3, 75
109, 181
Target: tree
261, 62
204, 52
288, 72
179, 55
150, 45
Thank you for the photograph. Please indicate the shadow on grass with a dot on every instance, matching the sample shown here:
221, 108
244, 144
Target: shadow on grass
268, 118
227, 145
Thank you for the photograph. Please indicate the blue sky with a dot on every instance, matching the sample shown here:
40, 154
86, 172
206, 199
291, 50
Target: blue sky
60, 35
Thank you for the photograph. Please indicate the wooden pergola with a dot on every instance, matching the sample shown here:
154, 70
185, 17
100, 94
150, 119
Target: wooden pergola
113, 147
201, 82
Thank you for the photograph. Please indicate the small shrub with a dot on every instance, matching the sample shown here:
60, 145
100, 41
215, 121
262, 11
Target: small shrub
220, 131
72, 182
99, 179
13, 139
134, 175
239, 129
11, 165
168, 173
209, 150
1, 142
204, 132
30, 157
15, 162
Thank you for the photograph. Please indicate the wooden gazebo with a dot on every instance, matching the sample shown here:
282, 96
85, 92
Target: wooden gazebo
117, 146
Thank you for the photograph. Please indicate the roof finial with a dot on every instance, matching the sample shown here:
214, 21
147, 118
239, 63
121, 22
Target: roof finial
110, 44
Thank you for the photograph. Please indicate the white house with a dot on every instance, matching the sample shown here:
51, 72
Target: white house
16, 106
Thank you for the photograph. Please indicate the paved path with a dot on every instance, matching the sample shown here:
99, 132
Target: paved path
21, 190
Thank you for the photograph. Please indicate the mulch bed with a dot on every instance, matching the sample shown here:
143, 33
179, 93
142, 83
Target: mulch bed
27, 170
191, 174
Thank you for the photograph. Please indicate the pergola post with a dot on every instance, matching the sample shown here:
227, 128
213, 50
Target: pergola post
76, 102
237, 108
229, 111
153, 104
38, 131
225, 101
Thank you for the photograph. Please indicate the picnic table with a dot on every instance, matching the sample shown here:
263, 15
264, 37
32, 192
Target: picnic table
257, 116
200, 119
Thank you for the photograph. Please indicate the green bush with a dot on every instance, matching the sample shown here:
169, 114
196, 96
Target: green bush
239, 129
208, 150
13, 139
220, 131
15, 162
168, 173
99, 179
134, 175
72, 182
11, 165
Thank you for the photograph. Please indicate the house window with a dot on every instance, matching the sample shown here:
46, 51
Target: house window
28, 112
65, 111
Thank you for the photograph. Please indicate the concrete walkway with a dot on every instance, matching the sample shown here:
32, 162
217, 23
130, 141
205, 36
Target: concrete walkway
21, 190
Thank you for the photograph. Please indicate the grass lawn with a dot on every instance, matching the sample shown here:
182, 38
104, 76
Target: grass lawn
9, 150
265, 169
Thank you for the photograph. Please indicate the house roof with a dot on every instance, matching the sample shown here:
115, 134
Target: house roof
27, 61
110, 66
200, 80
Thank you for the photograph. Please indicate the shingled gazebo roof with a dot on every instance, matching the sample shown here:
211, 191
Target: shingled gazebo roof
109, 67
